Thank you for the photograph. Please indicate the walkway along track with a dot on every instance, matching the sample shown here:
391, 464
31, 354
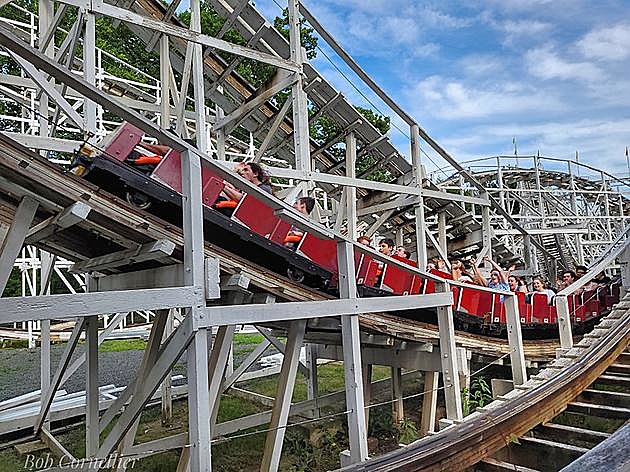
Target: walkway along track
539, 400
23, 172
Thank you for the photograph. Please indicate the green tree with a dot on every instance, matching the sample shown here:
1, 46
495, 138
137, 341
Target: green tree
307, 34
380, 122
369, 160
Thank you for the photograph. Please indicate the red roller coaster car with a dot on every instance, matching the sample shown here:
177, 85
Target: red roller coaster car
121, 166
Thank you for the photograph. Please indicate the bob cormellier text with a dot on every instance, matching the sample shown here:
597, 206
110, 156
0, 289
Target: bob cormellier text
47, 461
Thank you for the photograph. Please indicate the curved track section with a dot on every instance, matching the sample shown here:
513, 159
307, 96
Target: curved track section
539, 400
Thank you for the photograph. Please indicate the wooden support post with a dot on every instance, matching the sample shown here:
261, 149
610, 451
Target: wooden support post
312, 389
199, 403
48, 264
298, 95
515, 340
351, 340
91, 388
198, 82
14, 238
398, 413
487, 229
351, 192
367, 393
89, 70
165, 73
464, 373
282, 403
416, 162
564, 322
442, 232
452, 390
429, 403
167, 393
216, 368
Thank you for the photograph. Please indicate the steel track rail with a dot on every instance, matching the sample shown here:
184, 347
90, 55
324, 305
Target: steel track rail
467, 443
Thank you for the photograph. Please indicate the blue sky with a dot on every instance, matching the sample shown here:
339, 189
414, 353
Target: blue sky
475, 74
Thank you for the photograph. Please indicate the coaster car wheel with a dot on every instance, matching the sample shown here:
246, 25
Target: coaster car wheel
138, 199
296, 275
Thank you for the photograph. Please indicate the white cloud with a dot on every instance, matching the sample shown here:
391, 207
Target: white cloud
424, 50
600, 142
457, 100
545, 64
482, 65
612, 44
521, 27
439, 19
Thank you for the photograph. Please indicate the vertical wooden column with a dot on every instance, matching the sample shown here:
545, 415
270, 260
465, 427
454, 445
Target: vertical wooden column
452, 391
298, 95
350, 333
199, 402
464, 371
48, 265
367, 393
486, 234
216, 368
416, 162
89, 70
166, 388
282, 404
46, 13
564, 322
312, 387
91, 390
198, 80
515, 340
429, 402
351, 192
442, 239
398, 412
165, 79
91, 381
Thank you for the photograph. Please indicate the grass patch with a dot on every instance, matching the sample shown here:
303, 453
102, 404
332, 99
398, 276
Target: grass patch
314, 448
117, 345
245, 338
330, 379
594, 423
13, 344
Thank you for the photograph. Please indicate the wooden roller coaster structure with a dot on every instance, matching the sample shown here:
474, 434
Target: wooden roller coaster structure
136, 261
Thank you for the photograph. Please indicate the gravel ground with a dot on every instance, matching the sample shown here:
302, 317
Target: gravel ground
20, 368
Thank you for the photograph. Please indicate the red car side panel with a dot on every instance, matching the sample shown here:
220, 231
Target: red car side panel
123, 141
257, 216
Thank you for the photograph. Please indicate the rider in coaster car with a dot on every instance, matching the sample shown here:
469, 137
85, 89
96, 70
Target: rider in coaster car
230, 196
305, 206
